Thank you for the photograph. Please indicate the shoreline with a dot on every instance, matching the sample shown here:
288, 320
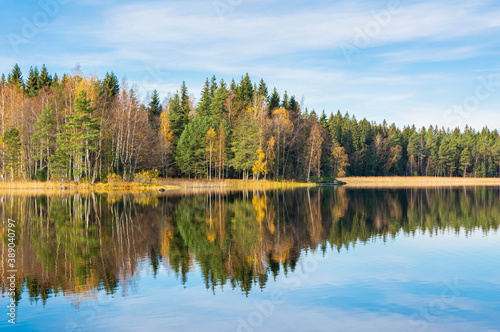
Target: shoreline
179, 184
417, 182
168, 185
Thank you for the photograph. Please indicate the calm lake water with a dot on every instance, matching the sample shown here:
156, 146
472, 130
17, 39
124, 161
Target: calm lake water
322, 259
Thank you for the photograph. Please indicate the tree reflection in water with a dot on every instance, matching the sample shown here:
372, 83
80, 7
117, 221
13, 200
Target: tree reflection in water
81, 244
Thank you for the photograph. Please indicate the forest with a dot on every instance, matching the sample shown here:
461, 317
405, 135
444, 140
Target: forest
86, 129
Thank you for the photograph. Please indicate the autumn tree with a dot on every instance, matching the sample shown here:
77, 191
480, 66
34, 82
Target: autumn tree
340, 161
210, 141
314, 150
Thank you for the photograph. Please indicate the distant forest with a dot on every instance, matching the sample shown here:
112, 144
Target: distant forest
82, 128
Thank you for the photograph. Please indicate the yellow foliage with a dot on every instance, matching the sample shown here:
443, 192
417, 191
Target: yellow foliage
260, 164
260, 207
146, 176
166, 135
165, 242
210, 138
114, 178
340, 161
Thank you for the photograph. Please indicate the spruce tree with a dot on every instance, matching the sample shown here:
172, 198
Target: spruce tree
244, 91
191, 150
44, 138
33, 82
110, 86
44, 78
213, 86
273, 101
154, 110
262, 90
176, 117
77, 139
217, 108
185, 102
203, 108
285, 102
16, 77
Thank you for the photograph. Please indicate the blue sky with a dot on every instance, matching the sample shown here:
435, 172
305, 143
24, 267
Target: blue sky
421, 62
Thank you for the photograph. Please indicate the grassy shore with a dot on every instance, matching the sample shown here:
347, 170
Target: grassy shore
417, 181
234, 184
97, 187
167, 184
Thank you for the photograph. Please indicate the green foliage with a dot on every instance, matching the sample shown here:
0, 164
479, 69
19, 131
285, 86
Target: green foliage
16, 77
244, 144
273, 100
190, 153
154, 110
177, 116
41, 174
65, 139
33, 82
44, 138
110, 86
12, 151
77, 140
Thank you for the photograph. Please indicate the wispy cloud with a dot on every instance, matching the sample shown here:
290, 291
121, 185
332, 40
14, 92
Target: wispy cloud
293, 45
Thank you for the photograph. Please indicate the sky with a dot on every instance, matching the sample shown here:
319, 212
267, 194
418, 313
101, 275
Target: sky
407, 62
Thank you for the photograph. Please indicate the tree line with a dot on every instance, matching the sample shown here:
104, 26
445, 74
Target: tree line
82, 128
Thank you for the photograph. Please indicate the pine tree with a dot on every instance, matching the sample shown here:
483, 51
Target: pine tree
213, 86
244, 91
293, 105
285, 103
16, 77
33, 82
77, 139
190, 152
45, 80
176, 117
262, 90
203, 108
55, 81
185, 102
244, 144
273, 101
110, 87
44, 138
217, 108
154, 110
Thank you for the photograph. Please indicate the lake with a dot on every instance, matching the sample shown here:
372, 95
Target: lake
318, 259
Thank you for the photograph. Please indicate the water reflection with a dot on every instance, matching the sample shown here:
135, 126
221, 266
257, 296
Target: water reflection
77, 246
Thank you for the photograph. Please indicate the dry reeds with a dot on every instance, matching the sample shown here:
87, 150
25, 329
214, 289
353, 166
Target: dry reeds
417, 181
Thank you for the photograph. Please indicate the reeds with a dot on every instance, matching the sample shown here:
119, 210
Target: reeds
417, 181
